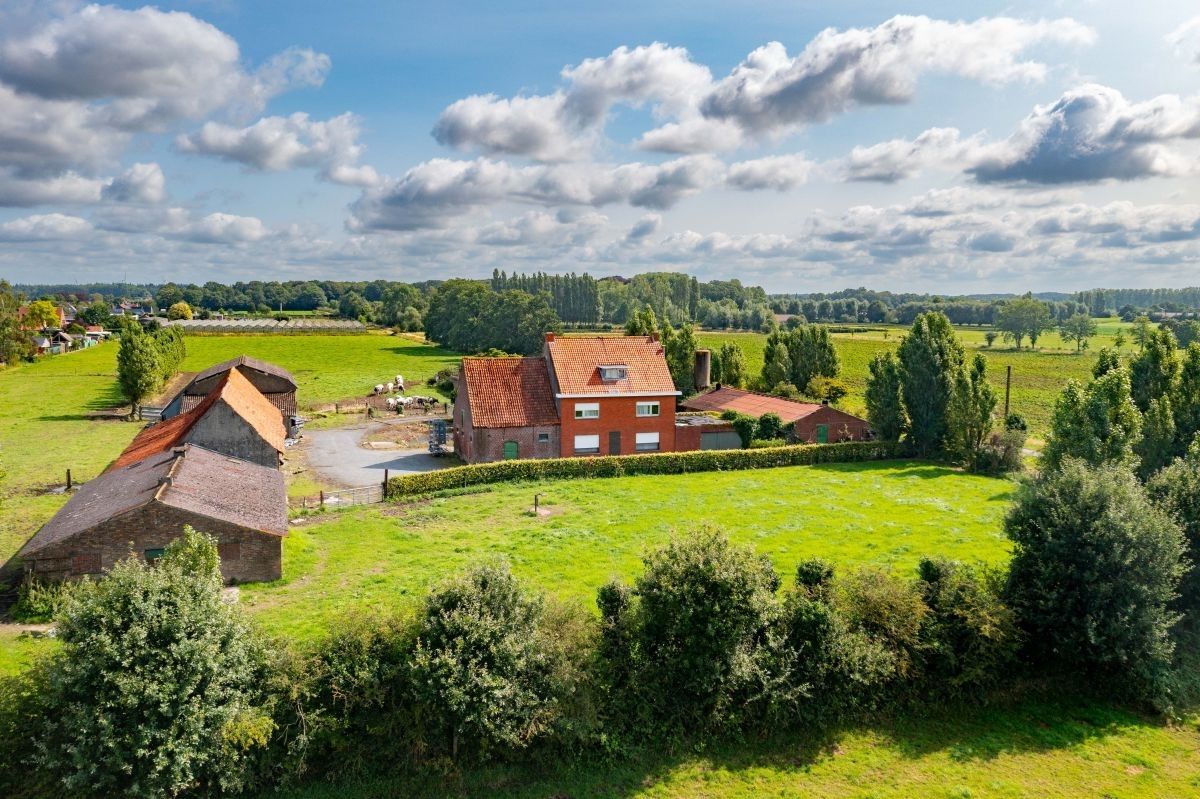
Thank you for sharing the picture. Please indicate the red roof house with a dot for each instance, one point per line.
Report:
(813, 422)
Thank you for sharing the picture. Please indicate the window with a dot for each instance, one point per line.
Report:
(543, 438)
(587, 445)
(153, 554)
(647, 409)
(587, 410)
(646, 442)
(611, 373)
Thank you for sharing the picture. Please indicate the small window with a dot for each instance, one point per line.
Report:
(646, 442)
(587, 410)
(587, 445)
(543, 438)
(612, 373)
(153, 554)
(647, 409)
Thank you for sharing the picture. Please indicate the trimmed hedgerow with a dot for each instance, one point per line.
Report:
(657, 463)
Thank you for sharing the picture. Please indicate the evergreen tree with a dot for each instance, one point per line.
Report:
(812, 354)
(930, 357)
(885, 404)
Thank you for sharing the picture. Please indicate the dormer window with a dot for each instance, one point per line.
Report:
(610, 374)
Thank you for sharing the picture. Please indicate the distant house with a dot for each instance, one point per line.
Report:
(815, 423)
(274, 382)
(141, 507)
(586, 395)
(233, 419)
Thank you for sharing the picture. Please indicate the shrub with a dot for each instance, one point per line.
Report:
(158, 688)
(24, 706)
(1095, 566)
(969, 637)
(1003, 452)
(887, 609)
(770, 426)
(657, 463)
(767, 443)
(39, 601)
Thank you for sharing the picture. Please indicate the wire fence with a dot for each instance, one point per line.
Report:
(341, 498)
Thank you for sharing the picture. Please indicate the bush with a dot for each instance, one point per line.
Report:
(1176, 489)
(1095, 566)
(770, 426)
(158, 689)
(887, 609)
(1003, 452)
(767, 443)
(39, 601)
(620, 465)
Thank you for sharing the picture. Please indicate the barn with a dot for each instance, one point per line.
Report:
(504, 408)
(139, 508)
(273, 382)
(815, 423)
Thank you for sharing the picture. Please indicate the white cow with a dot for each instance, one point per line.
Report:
(400, 382)
(379, 388)
(391, 404)
(389, 388)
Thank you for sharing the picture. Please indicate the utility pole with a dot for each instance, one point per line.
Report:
(1007, 389)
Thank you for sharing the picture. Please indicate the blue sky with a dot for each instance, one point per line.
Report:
(798, 146)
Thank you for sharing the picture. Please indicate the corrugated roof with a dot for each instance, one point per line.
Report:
(577, 360)
(509, 392)
(202, 482)
(234, 390)
(727, 398)
(246, 361)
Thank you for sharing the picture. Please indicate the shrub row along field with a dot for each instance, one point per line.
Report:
(887, 513)
(56, 411)
(1038, 375)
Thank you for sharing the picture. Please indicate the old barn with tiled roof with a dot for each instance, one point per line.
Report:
(273, 382)
(814, 422)
(505, 408)
(234, 419)
(141, 507)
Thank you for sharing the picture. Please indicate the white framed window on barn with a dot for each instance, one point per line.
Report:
(587, 410)
(587, 445)
(647, 409)
(646, 442)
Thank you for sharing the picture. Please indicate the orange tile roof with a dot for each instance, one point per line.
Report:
(237, 392)
(509, 392)
(727, 398)
(576, 361)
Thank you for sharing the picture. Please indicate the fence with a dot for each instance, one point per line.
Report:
(342, 498)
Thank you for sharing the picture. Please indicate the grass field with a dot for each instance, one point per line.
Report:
(1038, 375)
(374, 558)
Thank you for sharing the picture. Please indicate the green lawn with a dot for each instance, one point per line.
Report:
(377, 558)
(1066, 750)
(1038, 375)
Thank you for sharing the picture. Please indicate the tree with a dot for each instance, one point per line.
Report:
(642, 323)
(1119, 340)
(1154, 371)
(14, 340)
(1176, 489)
(353, 306)
(1142, 330)
(990, 338)
(1095, 567)
(41, 314)
(158, 689)
(1023, 317)
(679, 347)
(969, 413)
(885, 404)
(98, 313)
(1106, 361)
(1097, 424)
(1078, 328)
(777, 364)
(1157, 445)
(179, 310)
(733, 365)
(930, 357)
(1186, 400)
(138, 371)
(812, 354)
(171, 351)
(309, 298)
(482, 667)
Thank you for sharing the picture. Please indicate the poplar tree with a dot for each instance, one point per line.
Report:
(930, 357)
(885, 404)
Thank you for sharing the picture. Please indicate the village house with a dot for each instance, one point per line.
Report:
(233, 419)
(273, 382)
(585, 395)
(814, 422)
(139, 508)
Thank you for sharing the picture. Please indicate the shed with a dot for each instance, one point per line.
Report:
(814, 422)
(273, 382)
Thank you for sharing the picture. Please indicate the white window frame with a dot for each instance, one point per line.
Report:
(611, 373)
(591, 445)
(587, 410)
(543, 438)
(646, 442)
(652, 408)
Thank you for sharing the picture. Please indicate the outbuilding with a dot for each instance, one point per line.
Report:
(815, 423)
(273, 382)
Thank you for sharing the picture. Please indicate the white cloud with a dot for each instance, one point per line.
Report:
(898, 159)
(1186, 40)
(221, 228)
(141, 183)
(274, 144)
(1093, 133)
(694, 135)
(66, 187)
(531, 126)
(778, 172)
(645, 227)
(45, 227)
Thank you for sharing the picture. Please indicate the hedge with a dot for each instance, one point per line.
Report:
(656, 463)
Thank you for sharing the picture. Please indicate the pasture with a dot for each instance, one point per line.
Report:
(378, 558)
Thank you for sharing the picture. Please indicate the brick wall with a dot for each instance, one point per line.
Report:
(618, 413)
(687, 436)
(842, 426)
(247, 555)
(225, 431)
(488, 444)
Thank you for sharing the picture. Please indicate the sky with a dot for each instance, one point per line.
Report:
(1045, 146)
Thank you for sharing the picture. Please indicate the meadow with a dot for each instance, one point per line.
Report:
(376, 559)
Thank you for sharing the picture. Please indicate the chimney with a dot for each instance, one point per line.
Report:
(654, 336)
(702, 370)
(549, 337)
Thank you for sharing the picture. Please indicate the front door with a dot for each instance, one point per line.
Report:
(822, 434)
(510, 450)
(614, 442)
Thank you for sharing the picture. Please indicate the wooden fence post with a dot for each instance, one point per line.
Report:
(68, 479)
(322, 498)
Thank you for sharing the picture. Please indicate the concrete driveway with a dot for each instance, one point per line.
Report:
(338, 458)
